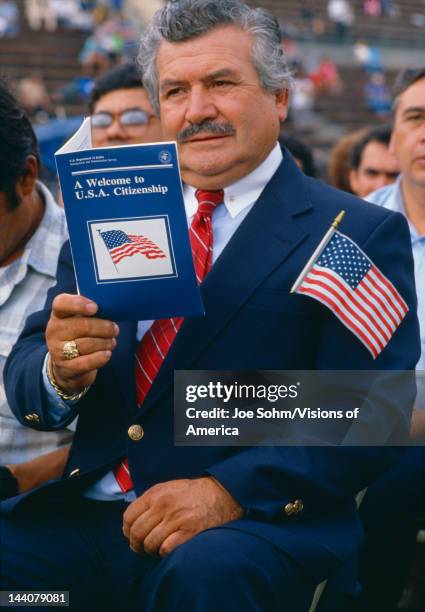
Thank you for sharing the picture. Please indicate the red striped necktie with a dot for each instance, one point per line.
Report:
(157, 341)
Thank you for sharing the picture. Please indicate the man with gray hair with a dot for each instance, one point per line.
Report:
(216, 527)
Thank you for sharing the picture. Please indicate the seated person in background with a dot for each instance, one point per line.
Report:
(340, 160)
(391, 526)
(32, 232)
(120, 109)
(377, 94)
(394, 504)
(373, 165)
(34, 98)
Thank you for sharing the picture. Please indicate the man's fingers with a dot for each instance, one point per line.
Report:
(87, 346)
(83, 327)
(66, 305)
(85, 364)
(172, 541)
(141, 527)
(152, 542)
(134, 510)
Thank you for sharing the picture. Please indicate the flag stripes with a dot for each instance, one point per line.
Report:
(345, 280)
(121, 245)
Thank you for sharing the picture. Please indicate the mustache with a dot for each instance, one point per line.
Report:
(205, 127)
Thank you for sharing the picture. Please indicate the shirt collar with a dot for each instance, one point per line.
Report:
(42, 250)
(244, 192)
(398, 206)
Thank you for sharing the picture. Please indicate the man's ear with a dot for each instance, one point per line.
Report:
(282, 103)
(391, 146)
(352, 177)
(26, 183)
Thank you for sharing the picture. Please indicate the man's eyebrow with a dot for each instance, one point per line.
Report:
(414, 109)
(217, 74)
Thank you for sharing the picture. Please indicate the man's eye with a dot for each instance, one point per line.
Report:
(222, 83)
(173, 92)
(413, 118)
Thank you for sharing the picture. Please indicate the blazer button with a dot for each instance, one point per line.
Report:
(298, 504)
(135, 432)
(74, 472)
(32, 418)
(289, 509)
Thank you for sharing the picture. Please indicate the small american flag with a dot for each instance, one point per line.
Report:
(345, 280)
(120, 245)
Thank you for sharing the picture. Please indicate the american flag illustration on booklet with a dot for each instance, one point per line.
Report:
(121, 245)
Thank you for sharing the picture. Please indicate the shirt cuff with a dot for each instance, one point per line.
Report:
(59, 409)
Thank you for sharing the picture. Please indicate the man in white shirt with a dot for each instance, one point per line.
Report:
(32, 232)
(391, 526)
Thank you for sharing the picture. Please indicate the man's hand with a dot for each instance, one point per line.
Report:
(37, 471)
(72, 319)
(171, 513)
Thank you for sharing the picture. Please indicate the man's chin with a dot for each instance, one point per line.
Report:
(208, 170)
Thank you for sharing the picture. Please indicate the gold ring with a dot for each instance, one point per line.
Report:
(70, 350)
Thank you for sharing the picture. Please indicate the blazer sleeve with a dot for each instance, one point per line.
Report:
(264, 479)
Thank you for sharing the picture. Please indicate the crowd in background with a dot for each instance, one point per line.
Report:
(112, 39)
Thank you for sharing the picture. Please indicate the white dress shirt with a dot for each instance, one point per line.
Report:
(23, 287)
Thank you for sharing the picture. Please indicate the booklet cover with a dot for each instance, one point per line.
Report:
(128, 229)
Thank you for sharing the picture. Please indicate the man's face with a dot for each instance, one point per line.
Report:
(19, 219)
(408, 137)
(378, 167)
(121, 109)
(212, 103)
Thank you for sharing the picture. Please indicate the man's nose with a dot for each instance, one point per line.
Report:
(383, 180)
(116, 131)
(388, 180)
(200, 106)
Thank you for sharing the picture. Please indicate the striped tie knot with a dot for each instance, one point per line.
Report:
(208, 200)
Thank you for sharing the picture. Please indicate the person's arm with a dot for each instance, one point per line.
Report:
(37, 471)
(418, 425)
(66, 316)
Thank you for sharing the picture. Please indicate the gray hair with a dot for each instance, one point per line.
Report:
(181, 20)
(406, 78)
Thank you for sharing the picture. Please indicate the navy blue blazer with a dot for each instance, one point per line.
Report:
(252, 322)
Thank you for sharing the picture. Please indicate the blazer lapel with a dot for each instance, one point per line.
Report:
(269, 233)
(122, 365)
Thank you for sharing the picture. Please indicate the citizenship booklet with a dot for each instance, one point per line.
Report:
(128, 230)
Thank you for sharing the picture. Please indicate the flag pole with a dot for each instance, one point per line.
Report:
(318, 251)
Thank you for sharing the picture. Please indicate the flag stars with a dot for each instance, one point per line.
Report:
(344, 258)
